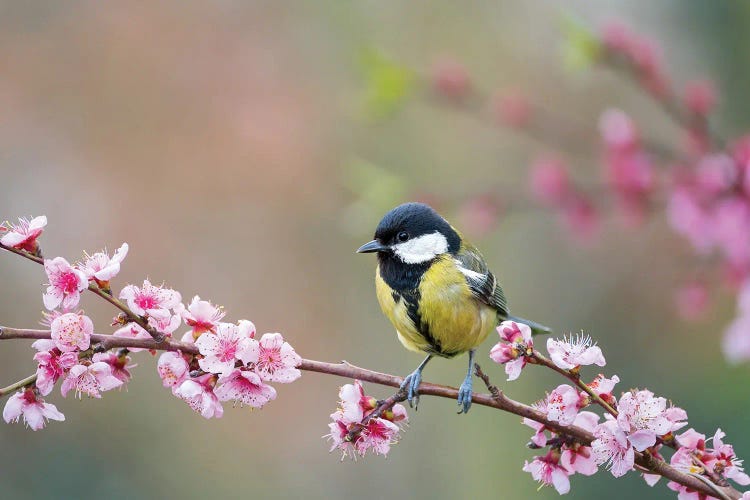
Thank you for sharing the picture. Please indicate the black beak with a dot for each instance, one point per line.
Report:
(373, 246)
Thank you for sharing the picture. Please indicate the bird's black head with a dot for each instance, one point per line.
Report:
(414, 234)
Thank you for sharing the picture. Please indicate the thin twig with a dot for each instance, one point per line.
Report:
(18, 385)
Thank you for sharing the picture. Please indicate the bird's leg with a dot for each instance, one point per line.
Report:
(412, 381)
(464, 392)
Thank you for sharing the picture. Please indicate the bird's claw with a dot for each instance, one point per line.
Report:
(464, 395)
(411, 384)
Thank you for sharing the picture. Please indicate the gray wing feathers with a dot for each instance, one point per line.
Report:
(481, 281)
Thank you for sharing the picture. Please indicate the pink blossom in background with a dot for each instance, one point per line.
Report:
(33, 409)
(199, 394)
(23, 235)
(612, 448)
(150, 299)
(101, 268)
(72, 332)
(700, 97)
(617, 36)
(202, 316)
(562, 404)
(90, 380)
(479, 215)
(244, 387)
(714, 175)
(515, 343)
(222, 349)
(642, 416)
(550, 183)
(572, 352)
(581, 218)
(274, 359)
(548, 471)
(120, 365)
(65, 284)
(511, 108)
(618, 130)
(450, 78)
(52, 365)
(692, 300)
(172, 368)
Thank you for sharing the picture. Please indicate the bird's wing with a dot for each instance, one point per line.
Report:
(480, 279)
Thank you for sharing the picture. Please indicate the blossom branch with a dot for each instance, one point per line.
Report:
(496, 399)
(94, 288)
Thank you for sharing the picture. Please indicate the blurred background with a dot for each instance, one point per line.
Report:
(238, 148)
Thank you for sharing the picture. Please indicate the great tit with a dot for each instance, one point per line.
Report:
(436, 289)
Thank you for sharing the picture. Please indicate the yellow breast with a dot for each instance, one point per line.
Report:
(451, 320)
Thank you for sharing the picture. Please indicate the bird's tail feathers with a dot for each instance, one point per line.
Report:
(536, 328)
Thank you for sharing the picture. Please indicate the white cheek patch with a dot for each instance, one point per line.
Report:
(421, 249)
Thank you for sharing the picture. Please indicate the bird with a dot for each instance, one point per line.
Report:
(437, 291)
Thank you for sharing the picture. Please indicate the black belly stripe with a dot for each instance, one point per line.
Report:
(412, 310)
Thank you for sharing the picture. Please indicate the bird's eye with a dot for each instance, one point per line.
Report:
(402, 236)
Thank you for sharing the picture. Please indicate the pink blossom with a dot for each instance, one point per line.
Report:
(581, 218)
(736, 341)
(90, 380)
(540, 437)
(164, 322)
(715, 174)
(562, 404)
(198, 393)
(202, 316)
(274, 359)
(611, 447)
(338, 436)
(700, 97)
(172, 368)
(65, 284)
(642, 417)
(24, 234)
(353, 404)
(617, 36)
(548, 471)
(378, 435)
(101, 268)
(550, 184)
(511, 108)
(450, 78)
(518, 344)
(132, 331)
(573, 352)
(34, 410)
(618, 130)
(603, 387)
(244, 387)
(149, 299)
(120, 365)
(52, 365)
(723, 458)
(221, 350)
(692, 300)
(72, 332)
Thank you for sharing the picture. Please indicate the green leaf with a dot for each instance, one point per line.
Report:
(387, 84)
(581, 48)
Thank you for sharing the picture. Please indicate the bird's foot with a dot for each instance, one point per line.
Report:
(411, 385)
(464, 395)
